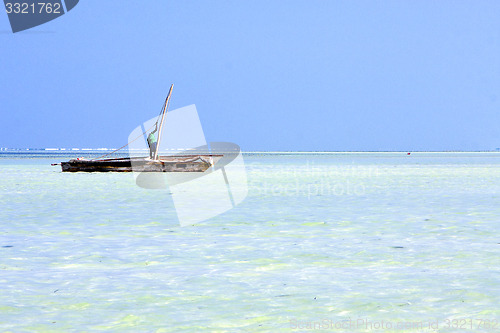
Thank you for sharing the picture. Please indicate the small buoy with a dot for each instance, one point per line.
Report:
(408, 153)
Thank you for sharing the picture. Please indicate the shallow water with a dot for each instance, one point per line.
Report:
(322, 239)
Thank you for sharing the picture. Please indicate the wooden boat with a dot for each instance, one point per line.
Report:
(157, 163)
(182, 163)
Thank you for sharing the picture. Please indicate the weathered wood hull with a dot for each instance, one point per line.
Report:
(184, 163)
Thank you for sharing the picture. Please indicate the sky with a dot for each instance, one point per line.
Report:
(309, 75)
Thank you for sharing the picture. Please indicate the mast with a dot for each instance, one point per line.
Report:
(160, 129)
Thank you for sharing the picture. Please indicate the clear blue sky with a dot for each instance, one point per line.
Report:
(267, 75)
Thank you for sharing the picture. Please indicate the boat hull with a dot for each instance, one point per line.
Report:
(185, 163)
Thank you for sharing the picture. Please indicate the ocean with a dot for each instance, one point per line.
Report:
(338, 242)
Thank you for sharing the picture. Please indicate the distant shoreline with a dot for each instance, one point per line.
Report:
(103, 150)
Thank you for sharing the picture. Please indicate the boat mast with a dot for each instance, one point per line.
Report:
(160, 129)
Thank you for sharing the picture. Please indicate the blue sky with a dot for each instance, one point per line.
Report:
(268, 75)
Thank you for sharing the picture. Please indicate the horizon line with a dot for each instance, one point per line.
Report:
(7, 149)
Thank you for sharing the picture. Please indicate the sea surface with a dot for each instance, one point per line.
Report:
(338, 242)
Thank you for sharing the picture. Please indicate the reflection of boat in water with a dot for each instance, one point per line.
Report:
(153, 163)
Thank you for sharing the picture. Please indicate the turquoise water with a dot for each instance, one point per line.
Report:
(359, 239)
